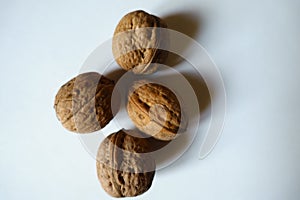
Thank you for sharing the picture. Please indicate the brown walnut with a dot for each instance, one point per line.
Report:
(124, 167)
(155, 110)
(83, 104)
(138, 42)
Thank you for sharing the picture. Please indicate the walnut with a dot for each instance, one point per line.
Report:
(155, 110)
(138, 42)
(83, 104)
(124, 167)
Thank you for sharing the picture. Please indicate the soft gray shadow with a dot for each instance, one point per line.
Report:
(184, 22)
(187, 23)
(201, 91)
(115, 74)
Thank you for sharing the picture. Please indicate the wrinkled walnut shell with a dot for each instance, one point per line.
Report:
(155, 110)
(83, 104)
(124, 168)
(138, 42)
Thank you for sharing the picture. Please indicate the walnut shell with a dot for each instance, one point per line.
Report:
(138, 42)
(124, 168)
(155, 110)
(83, 104)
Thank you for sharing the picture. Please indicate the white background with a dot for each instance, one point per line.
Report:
(256, 46)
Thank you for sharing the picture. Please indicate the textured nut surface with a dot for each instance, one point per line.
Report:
(154, 109)
(83, 104)
(138, 40)
(123, 166)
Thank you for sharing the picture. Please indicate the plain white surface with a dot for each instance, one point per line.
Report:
(256, 47)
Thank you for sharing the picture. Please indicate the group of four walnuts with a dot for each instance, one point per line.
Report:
(125, 166)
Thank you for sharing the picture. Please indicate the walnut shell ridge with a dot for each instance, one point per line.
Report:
(83, 104)
(155, 110)
(124, 167)
(138, 42)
